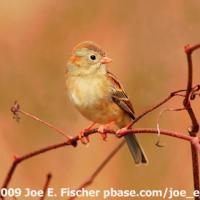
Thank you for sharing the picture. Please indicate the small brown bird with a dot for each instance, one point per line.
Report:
(97, 93)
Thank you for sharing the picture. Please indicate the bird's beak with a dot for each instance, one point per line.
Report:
(105, 60)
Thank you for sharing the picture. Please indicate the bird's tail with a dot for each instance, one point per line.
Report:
(135, 149)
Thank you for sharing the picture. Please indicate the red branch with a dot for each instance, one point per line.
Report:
(46, 185)
(193, 140)
(195, 126)
(165, 100)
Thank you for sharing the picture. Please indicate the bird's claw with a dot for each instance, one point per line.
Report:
(102, 131)
(121, 131)
(85, 138)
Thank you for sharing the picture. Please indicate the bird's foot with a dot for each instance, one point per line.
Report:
(121, 131)
(102, 130)
(85, 138)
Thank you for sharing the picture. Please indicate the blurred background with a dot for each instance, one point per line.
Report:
(146, 42)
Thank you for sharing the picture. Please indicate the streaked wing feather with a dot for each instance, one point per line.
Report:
(120, 97)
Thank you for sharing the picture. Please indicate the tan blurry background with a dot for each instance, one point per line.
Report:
(145, 40)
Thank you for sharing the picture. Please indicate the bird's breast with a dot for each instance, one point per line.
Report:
(92, 97)
(87, 92)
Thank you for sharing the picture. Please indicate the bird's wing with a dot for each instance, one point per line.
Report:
(119, 96)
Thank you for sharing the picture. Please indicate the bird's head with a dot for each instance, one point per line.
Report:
(87, 58)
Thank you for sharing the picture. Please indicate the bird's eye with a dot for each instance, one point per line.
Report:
(93, 57)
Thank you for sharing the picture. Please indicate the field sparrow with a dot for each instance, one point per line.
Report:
(97, 93)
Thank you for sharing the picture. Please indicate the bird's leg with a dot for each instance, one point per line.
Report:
(102, 130)
(125, 128)
(82, 134)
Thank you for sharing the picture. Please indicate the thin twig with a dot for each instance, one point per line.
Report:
(158, 124)
(90, 180)
(46, 185)
(165, 100)
(161, 113)
(15, 109)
